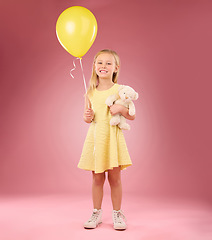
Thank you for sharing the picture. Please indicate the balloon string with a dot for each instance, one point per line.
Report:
(84, 79)
(82, 74)
(73, 67)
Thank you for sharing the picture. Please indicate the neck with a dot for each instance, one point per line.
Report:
(106, 82)
(104, 85)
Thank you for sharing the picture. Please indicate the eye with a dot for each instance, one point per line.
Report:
(124, 92)
(108, 63)
(99, 62)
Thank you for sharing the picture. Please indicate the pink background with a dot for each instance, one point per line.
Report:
(165, 50)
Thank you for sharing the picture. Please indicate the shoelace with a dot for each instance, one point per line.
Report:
(120, 216)
(94, 217)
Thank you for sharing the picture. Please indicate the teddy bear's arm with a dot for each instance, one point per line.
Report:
(111, 99)
(131, 108)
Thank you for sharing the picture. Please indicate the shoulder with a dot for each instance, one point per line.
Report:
(118, 86)
(121, 86)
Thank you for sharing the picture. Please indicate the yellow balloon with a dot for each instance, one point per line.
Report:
(76, 30)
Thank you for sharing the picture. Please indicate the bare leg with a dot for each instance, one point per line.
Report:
(114, 178)
(97, 189)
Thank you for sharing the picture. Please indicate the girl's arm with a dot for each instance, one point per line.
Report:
(116, 108)
(88, 112)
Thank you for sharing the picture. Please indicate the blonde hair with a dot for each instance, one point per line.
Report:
(94, 80)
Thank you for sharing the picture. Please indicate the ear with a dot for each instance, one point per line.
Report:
(116, 69)
(121, 87)
(136, 96)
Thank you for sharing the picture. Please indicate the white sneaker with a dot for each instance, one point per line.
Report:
(95, 219)
(119, 220)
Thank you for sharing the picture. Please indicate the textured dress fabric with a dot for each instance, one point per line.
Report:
(104, 147)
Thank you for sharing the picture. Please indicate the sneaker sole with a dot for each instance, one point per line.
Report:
(93, 227)
(119, 229)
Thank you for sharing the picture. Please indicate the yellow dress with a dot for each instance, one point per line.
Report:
(104, 147)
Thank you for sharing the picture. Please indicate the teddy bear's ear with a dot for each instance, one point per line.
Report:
(136, 96)
(121, 87)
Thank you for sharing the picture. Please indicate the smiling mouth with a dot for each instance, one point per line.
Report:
(103, 71)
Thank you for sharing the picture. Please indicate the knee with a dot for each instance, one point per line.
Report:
(98, 179)
(114, 181)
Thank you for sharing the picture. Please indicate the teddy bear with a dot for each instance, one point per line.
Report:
(125, 97)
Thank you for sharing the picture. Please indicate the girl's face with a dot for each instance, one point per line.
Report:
(105, 66)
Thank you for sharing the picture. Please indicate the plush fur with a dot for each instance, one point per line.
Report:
(125, 98)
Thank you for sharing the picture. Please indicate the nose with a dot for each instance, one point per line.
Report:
(126, 97)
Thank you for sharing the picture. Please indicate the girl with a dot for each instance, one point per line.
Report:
(105, 148)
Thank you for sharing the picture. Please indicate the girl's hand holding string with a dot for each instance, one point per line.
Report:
(88, 115)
